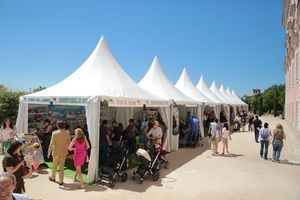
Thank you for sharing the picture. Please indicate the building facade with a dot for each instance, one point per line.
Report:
(291, 21)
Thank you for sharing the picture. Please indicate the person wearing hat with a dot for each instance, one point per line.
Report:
(155, 134)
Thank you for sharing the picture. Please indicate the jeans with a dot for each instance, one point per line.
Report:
(131, 144)
(249, 127)
(103, 155)
(256, 134)
(187, 138)
(277, 147)
(264, 145)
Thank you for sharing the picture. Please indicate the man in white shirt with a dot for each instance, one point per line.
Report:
(7, 185)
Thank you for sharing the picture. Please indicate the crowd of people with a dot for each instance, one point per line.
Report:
(190, 132)
(136, 134)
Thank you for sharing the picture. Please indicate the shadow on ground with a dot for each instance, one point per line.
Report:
(177, 159)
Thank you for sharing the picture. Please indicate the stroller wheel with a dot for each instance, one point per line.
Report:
(111, 184)
(141, 180)
(155, 176)
(124, 177)
(167, 165)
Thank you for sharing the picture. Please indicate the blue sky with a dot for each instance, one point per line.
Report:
(236, 42)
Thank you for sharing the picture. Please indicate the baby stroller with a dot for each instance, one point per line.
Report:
(158, 152)
(115, 165)
(147, 166)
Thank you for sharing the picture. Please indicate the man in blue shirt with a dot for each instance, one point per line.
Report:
(195, 131)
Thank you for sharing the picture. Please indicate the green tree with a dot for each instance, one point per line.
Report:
(9, 101)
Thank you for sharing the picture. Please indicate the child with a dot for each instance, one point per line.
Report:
(225, 136)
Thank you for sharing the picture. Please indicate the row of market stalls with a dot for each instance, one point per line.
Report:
(104, 90)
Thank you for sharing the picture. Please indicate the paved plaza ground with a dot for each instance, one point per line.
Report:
(195, 174)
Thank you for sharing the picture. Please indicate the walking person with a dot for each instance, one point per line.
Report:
(250, 122)
(264, 136)
(7, 134)
(58, 148)
(225, 137)
(257, 125)
(277, 141)
(212, 134)
(79, 145)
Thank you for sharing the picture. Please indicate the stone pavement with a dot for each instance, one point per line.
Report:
(195, 174)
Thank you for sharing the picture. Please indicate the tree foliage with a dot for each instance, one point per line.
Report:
(9, 101)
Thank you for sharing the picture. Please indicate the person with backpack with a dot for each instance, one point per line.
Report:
(277, 141)
(264, 136)
(257, 125)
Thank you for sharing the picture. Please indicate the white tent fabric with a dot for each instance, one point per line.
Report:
(22, 120)
(214, 88)
(202, 87)
(99, 78)
(99, 75)
(242, 102)
(186, 86)
(156, 82)
(93, 124)
(232, 97)
(228, 98)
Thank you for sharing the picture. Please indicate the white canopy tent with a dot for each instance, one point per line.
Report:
(228, 98)
(156, 82)
(186, 86)
(239, 100)
(202, 87)
(214, 88)
(99, 79)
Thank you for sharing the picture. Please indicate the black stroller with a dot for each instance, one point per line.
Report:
(115, 165)
(147, 166)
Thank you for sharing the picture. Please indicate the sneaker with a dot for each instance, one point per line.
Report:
(61, 184)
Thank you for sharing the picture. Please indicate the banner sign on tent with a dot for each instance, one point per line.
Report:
(122, 102)
(80, 101)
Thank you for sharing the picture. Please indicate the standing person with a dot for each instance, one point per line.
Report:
(250, 122)
(277, 138)
(79, 145)
(225, 136)
(116, 135)
(257, 125)
(8, 183)
(195, 132)
(212, 134)
(46, 136)
(58, 148)
(155, 134)
(7, 134)
(104, 142)
(264, 136)
(130, 133)
(13, 163)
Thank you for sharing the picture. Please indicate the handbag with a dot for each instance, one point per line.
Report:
(25, 170)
